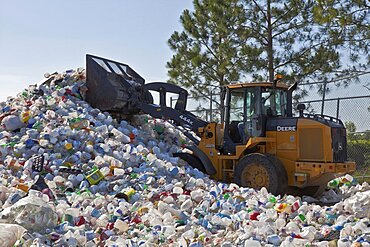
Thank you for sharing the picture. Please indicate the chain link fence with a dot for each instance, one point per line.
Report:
(349, 103)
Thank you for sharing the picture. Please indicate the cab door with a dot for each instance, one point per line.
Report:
(242, 114)
(253, 122)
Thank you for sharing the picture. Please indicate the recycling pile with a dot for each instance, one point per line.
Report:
(72, 175)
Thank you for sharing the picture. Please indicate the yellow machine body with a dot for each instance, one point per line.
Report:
(305, 149)
(305, 153)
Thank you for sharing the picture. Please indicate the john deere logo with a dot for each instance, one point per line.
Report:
(285, 128)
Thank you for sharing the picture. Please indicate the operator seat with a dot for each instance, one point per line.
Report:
(244, 136)
(234, 132)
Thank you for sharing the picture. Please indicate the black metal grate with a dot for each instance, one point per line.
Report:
(339, 144)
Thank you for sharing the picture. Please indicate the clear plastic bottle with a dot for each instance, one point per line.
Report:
(252, 243)
(13, 198)
(121, 226)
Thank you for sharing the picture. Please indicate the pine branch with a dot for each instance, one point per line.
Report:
(209, 74)
(337, 79)
(259, 7)
(312, 46)
(281, 16)
(300, 55)
(205, 95)
(359, 10)
(288, 29)
(258, 24)
(209, 49)
(261, 38)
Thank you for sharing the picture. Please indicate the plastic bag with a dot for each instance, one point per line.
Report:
(10, 233)
(12, 122)
(31, 212)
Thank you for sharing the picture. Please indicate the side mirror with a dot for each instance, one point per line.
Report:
(301, 108)
(222, 101)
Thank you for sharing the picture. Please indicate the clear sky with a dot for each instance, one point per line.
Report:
(42, 36)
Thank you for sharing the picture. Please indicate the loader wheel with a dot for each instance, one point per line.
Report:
(282, 174)
(257, 171)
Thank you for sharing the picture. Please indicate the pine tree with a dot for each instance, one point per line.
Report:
(348, 20)
(225, 41)
(289, 41)
(210, 52)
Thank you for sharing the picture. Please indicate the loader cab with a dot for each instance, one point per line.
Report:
(248, 106)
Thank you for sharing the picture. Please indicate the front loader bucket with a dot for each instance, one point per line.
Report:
(113, 86)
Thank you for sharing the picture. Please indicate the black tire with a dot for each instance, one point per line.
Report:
(282, 174)
(257, 170)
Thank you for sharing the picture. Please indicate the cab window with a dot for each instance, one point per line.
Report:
(236, 106)
(271, 99)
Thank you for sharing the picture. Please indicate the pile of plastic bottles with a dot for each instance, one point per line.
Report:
(72, 175)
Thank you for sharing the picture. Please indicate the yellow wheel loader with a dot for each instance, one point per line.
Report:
(258, 143)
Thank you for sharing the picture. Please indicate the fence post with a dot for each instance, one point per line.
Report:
(323, 99)
(210, 106)
(338, 100)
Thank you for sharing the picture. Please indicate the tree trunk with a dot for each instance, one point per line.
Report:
(270, 50)
(270, 54)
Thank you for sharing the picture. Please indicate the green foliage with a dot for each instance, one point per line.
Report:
(348, 21)
(359, 151)
(351, 129)
(210, 51)
(289, 41)
(226, 41)
(358, 147)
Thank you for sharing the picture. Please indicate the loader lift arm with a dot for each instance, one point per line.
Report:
(178, 114)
